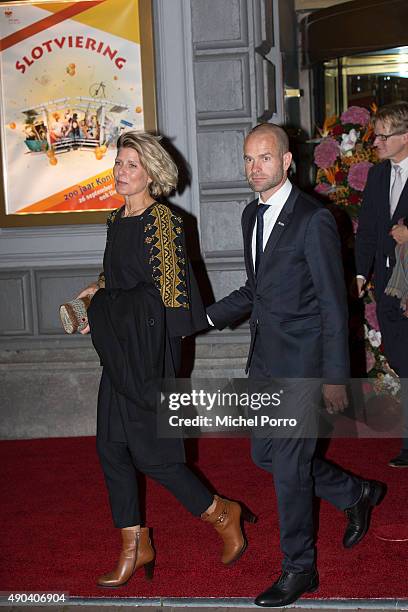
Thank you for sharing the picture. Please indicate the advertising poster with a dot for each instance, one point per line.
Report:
(71, 83)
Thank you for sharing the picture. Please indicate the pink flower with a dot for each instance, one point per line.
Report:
(370, 360)
(322, 188)
(357, 176)
(356, 115)
(371, 316)
(326, 152)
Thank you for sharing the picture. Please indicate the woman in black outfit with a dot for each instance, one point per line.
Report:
(145, 244)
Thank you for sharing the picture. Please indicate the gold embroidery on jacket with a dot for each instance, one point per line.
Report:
(164, 232)
(111, 217)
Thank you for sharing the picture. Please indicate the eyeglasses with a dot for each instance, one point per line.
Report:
(385, 137)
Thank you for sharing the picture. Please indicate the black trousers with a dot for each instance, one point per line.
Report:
(119, 468)
(394, 333)
(126, 446)
(298, 475)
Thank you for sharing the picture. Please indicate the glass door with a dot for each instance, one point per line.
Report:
(360, 80)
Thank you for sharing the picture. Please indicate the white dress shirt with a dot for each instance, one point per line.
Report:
(404, 172)
(276, 202)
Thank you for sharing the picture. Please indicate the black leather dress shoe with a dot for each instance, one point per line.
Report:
(288, 588)
(401, 461)
(359, 515)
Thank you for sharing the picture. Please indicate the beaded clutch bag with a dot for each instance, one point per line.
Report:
(73, 314)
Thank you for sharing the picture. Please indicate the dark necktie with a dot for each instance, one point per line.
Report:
(260, 211)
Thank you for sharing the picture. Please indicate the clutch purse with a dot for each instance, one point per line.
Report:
(73, 314)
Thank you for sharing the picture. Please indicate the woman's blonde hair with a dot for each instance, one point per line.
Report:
(155, 160)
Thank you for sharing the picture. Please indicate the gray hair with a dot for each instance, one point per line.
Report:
(396, 114)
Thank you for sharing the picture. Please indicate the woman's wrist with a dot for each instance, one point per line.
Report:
(100, 283)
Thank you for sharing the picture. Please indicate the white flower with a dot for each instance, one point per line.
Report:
(374, 338)
(348, 142)
(391, 384)
(365, 331)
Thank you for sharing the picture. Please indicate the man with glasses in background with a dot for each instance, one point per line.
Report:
(382, 227)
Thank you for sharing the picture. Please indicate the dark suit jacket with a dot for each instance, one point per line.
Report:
(298, 300)
(373, 242)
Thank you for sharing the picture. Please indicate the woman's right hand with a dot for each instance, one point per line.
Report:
(90, 290)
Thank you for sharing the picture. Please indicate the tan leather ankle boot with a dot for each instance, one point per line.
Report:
(137, 551)
(226, 519)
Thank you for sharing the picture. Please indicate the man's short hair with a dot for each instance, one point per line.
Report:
(396, 114)
(279, 133)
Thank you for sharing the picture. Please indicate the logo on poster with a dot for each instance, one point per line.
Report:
(11, 19)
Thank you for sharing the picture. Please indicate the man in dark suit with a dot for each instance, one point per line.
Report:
(296, 300)
(381, 228)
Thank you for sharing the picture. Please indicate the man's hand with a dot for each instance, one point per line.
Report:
(358, 287)
(335, 398)
(90, 290)
(399, 233)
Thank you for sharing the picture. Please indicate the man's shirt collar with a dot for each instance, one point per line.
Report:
(279, 197)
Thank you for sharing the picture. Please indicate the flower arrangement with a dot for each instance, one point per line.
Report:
(343, 156)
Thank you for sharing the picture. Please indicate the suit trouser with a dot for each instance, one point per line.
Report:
(298, 476)
(394, 331)
(121, 480)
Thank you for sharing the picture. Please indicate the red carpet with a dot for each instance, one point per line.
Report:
(57, 536)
